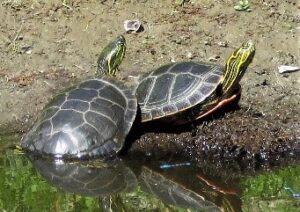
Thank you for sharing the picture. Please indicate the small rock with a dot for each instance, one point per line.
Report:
(152, 51)
(283, 69)
(223, 44)
(265, 82)
(26, 49)
(260, 72)
(214, 58)
(20, 37)
(190, 55)
(207, 43)
(132, 26)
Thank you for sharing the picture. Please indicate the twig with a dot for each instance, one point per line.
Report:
(16, 37)
(67, 6)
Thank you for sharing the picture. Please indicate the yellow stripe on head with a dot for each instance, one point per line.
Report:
(111, 57)
(237, 64)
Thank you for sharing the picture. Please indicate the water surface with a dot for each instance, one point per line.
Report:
(29, 183)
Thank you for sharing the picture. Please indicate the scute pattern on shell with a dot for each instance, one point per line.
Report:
(89, 120)
(176, 87)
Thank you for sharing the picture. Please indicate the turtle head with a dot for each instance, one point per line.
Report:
(111, 57)
(237, 64)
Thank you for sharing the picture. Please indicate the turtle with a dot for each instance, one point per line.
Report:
(90, 119)
(183, 92)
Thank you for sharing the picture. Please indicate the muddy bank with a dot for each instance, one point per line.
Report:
(240, 134)
(46, 47)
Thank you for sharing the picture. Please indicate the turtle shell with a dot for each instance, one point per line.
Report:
(176, 87)
(89, 120)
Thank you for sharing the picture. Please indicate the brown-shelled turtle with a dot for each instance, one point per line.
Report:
(89, 120)
(186, 91)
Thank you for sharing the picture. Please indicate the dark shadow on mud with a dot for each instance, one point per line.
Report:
(230, 134)
(138, 128)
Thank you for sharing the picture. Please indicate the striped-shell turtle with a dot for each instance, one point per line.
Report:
(89, 120)
(186, 91)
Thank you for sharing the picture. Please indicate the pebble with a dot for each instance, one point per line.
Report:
(132, 26)
(223, 44)
(214, 58)
(284, 68)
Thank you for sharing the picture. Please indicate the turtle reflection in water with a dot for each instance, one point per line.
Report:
(92, 178)
(89, 120)
(184, 190)
(108, 179)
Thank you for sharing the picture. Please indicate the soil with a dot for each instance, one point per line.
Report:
(47, 46)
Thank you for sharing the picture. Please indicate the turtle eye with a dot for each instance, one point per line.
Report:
(121, 40)
(248, 45)
(121, 43)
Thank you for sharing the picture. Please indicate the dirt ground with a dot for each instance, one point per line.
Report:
(46, 47)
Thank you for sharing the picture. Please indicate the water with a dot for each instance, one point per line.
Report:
(32, 184)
